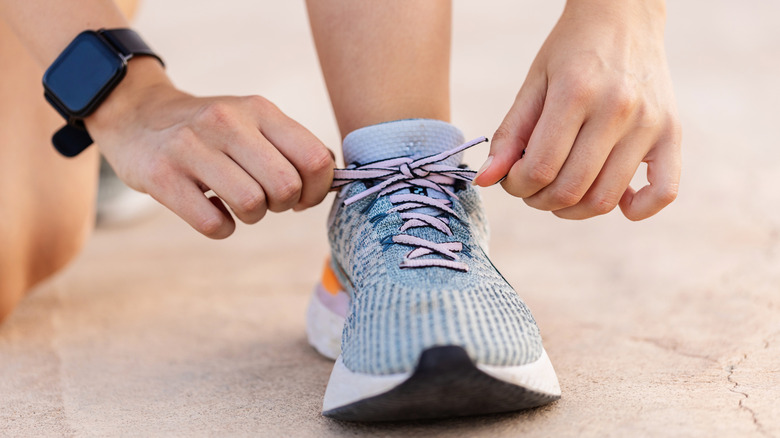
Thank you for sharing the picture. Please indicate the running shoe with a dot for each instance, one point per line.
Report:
(419, 321)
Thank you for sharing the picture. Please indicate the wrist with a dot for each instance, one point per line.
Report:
(145, 75)
(650, 13)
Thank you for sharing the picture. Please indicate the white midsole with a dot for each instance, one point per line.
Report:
(323, 325)
(346, 386)
(538, 376)
(324, 328)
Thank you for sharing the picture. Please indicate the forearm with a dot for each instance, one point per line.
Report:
(651, 13)
(46, 27)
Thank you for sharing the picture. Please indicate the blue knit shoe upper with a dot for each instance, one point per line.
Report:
(409, 240)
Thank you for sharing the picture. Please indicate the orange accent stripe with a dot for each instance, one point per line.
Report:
(329, 280)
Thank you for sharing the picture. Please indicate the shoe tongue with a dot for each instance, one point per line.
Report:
(414, 138)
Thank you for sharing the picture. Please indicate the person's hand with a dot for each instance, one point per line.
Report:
(597, 102)
(177, 147)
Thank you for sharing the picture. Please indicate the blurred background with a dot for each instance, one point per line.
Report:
(667, 327)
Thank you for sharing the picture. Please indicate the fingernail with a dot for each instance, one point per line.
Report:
(482, 169)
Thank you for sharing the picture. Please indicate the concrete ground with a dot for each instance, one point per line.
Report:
(668, 327)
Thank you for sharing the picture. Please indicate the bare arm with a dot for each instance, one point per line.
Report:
(47, 26)
(175, 146)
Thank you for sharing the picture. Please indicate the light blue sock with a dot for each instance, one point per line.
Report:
(413, 138)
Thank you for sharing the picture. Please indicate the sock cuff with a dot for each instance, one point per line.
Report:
(411, 137)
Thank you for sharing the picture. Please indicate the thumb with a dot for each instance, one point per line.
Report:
(511, 137)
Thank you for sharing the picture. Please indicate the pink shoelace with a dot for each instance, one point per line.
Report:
(419, 176)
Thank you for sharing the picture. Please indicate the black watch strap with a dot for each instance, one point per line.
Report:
(128, 43)
(71, 139)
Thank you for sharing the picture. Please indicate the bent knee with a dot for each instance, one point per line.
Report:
(56, 246)
(33, 257)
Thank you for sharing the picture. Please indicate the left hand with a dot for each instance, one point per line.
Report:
(597, 103)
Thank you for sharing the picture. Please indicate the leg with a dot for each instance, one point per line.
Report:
(418, 319)
(384, 63)
(47, 201)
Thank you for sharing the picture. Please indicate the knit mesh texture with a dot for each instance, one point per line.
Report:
(397, 313)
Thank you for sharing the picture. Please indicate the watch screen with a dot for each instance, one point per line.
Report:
(82, 71)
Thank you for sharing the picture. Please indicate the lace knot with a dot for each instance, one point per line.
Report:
(416, 207)
(412, 172)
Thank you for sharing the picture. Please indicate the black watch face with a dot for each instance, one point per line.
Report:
(83, 73)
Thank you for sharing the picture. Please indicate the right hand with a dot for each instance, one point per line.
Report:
(597, 102)
(176, 147)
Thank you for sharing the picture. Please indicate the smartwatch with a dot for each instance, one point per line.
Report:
(82, 77)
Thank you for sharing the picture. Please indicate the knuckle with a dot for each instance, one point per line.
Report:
(216, 113)
(542, 174)
(566, 196)
(288, 192)
(319, 160)
(648, 119)
(259, 102)
(252, 202)
(261, 105)
(604, 203)
(652, 119)
(623, 101)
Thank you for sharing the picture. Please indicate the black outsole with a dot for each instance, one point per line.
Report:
(446, 383)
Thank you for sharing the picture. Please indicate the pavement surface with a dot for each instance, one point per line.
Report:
(667, 327)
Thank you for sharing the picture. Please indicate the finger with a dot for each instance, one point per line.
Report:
(278, 178)
(230, 182)
(587, 157)
(663, 176)
(183, 197)
(216, 202)
(511, 137)
(311, 159)
(611, 183)
(549, 145)
(234, 132)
